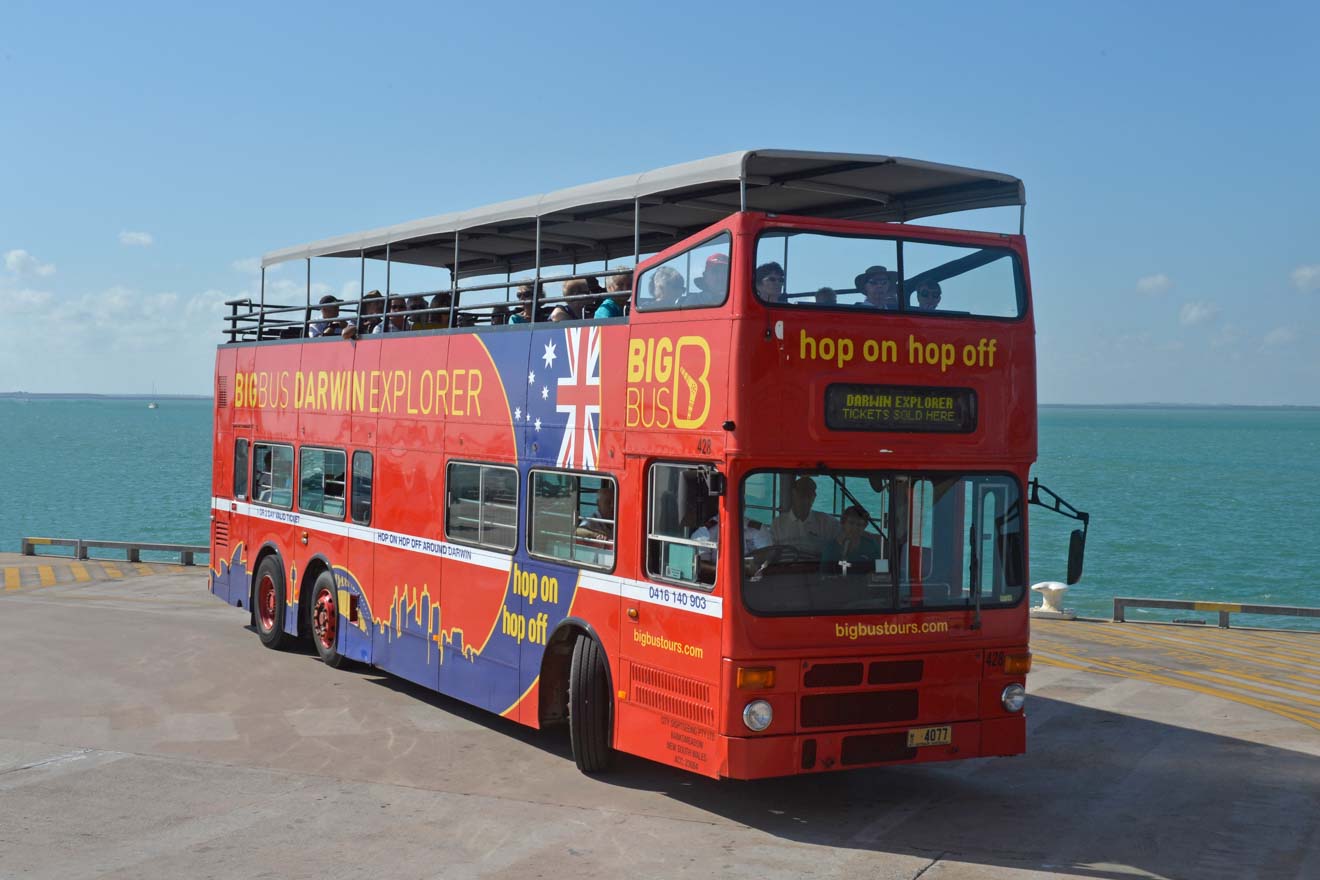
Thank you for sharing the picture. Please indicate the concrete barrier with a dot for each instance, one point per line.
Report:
(132, 549)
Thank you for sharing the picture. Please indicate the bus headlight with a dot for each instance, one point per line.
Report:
(1013, 697)
(757, 715)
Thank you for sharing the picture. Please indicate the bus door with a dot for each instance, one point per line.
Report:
(670, 650)
(358, 563)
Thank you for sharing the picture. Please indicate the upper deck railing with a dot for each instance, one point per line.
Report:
(614, 220)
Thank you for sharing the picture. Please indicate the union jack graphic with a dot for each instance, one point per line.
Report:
(578, 395)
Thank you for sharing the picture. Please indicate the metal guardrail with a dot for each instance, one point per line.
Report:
(1121, 604)
(132, 549)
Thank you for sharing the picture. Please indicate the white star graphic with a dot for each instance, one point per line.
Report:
(545, 393)
(549, 356)
(531, 377)
(529, 417)
(517, 413)
(538, 424)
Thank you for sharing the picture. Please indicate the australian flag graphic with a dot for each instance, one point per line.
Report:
(563, 397)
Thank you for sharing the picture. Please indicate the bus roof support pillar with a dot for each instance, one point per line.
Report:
(1022, 219)
(536, 282)
(261, 315)
(453, 285)
(637, 232)
(307, 312)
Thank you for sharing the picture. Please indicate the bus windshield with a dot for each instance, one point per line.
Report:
(824, 270)
(879, 541)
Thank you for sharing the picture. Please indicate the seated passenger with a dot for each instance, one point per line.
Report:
(667, 288)
(398, 321)
(928, 296)
(877, 285)
(601, 526)
(853, 548)
(800, 529)
(713, 281)
(417, 309)
(437, 317)
(569, 311)
(769, 279)
(827, 297)
(524, 314)
(755, 536)
(618, 288)
(329, 325)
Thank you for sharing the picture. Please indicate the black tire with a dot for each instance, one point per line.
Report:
(590, 727)
(323, 620)
(268, 603)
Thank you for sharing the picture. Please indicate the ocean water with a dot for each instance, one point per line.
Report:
(1206, 504)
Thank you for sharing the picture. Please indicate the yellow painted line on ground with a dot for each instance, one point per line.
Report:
(1152, 640)
(111, 570)
(79, 572)
(1156, 675)
(11, 579)
(46, 574)
(1265, 705)
(143, 568)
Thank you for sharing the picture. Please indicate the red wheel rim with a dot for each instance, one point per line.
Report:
(266, 603)
(325, 619)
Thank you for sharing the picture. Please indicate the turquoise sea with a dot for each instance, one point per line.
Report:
(1208, 504)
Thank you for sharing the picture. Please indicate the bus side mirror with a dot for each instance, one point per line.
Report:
(1076, 550)
(714, 481)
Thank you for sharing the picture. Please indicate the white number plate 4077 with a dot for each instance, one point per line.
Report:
(930, 736)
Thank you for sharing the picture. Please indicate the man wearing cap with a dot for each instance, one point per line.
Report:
(877, 285)
(329, 325)
(713, 282)
(807, 531)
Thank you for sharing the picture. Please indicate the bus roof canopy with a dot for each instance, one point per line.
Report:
(596, 221)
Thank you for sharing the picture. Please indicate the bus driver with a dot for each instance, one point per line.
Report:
(805, 530)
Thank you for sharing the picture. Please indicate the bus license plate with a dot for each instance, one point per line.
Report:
(930, 736)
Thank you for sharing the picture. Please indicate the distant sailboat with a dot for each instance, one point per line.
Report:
(153, 404)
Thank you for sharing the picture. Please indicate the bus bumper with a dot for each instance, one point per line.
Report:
(768, 756)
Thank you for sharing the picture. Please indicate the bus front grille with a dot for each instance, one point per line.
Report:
(857, 708)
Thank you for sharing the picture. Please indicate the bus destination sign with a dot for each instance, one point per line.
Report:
(851, 407)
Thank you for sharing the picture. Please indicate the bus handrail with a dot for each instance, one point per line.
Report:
(132, 549)
(1122, 603)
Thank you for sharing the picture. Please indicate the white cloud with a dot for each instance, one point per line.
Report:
(1154, 285)
(1278, 337)
(135, 239)
(247, 265)
(1197, 312)
(1227, 336)
(20, 262)
(1306, 277)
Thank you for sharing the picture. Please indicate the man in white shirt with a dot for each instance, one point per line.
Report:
(805, 530)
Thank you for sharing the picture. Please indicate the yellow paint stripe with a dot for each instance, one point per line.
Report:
(79, 572)
(143, 568)
(11, 579)
(46, 574)
(1155, 679)
(1152, 640)
(111, 570)
(1217, 606)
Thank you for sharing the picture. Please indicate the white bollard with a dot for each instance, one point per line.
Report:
(1051, 597)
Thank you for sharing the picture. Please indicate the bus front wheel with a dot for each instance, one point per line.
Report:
(268, 603)
(589, 707)
(325, 620)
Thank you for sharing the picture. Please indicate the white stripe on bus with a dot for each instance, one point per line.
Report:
(598, 582)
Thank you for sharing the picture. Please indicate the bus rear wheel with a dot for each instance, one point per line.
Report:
(268, 603)
(325, 620)
(589, 722)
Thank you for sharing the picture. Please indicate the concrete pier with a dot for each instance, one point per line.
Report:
(144, 732)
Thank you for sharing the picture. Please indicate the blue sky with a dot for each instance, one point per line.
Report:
(149, 153)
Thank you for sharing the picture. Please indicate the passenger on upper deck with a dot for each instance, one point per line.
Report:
(713, 281)
(416, 305)
(372, 304)
(437, 318)
(619, 287)
(329, 325)
(667, 287)
(804, 530)
(769, 279)
(398, 321)
(877, 285)
(928, 296)
(524, 315)
(827, 297)
(570, 310)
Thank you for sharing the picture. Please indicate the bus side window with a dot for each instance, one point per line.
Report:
(481, 505)
(321, 476)
(360, 502)
(272, 474)
(572, 518)
(681, 528)
(240, 470)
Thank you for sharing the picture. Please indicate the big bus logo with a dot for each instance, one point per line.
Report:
(668, 382)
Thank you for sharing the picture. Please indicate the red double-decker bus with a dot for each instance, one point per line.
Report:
(756, 506)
